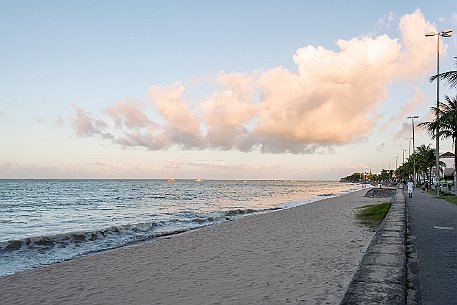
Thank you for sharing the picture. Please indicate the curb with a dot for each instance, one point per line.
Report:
(381, 276)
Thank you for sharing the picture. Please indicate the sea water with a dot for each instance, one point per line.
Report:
(48, 221)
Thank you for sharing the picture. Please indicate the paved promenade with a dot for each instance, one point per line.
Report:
(433, 226)
(381, 276)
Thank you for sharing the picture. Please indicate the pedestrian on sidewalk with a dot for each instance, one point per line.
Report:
(410, 186)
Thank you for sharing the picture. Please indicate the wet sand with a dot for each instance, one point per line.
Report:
(302, 255)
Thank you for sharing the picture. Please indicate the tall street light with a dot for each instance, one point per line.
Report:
(409, 148)
(414, 148)
(403, 152)
(443, 33)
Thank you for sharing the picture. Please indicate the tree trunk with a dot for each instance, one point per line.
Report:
(430, 176)
(455, 163)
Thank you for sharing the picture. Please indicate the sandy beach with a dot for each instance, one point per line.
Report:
(302, 255)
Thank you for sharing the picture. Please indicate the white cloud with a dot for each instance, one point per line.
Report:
(128, 113)
(226, 112)
(419, 53)
(330, 99)
(85, 125)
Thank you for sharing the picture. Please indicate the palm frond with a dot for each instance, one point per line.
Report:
(450, 77)
(446, 121)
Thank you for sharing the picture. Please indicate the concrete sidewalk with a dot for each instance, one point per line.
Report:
(381, 276)
(433, 231)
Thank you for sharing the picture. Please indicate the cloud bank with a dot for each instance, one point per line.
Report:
(329, 99)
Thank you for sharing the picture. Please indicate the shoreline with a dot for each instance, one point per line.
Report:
(309, 253)
(103, 235)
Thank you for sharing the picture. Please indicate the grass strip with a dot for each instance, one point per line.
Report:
(446, 196)
(449, 197)
(372, 215)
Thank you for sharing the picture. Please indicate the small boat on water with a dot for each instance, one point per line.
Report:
(171, 180)
(198, 180)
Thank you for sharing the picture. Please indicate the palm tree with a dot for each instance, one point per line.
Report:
(450, 77)
(447, 122)
(405, 170)
(425, 159)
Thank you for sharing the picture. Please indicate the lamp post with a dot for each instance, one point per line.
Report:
(403, 152)
(443, 33)
(414, 148)
(409, 148)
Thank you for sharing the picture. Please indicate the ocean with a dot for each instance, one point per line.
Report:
(48, 221)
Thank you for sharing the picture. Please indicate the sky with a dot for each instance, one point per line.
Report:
(217, 89)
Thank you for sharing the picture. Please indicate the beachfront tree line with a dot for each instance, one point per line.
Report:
(424, 159)
(384, 175)
(447, 119)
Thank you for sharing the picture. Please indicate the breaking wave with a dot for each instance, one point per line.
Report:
(49, 221)
(44, 250)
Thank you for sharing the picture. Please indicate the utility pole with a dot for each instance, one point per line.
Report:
(443, 33)
(414, 147)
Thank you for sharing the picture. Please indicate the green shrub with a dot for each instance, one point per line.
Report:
(373, 215)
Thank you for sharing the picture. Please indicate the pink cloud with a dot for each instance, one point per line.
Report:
(148, 140)
(85, 126)
(419, 52)
(226, 112)
(128, 113)
(322, 104)
(168, 101)
(330, 99)
(182, 122)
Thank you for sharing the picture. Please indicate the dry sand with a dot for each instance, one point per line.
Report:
(303, 255)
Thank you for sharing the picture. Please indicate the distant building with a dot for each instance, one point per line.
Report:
(448, 159)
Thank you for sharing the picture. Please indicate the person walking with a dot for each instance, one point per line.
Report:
(410, 186)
